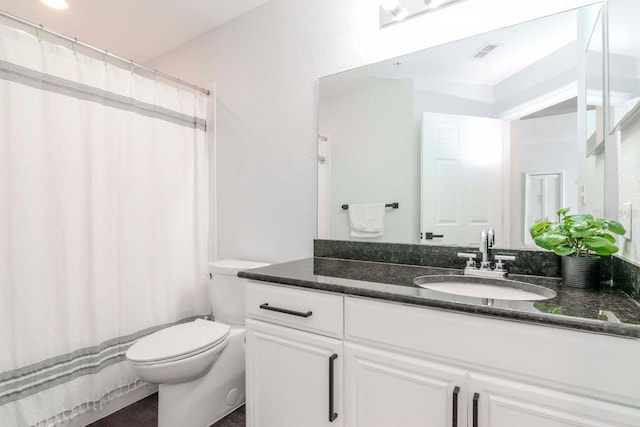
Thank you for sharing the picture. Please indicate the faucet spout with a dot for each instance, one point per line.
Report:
(487, 240)
(484, 246)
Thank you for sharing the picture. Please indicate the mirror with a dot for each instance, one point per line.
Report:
(624, 61)
(594, 84)
(462, 137)
(624, 96)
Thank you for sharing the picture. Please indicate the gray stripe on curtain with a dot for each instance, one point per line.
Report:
(20, 383)
(38, 80)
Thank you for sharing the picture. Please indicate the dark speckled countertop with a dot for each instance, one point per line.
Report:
(607, 310)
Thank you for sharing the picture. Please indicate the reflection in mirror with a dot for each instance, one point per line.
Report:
(463, 136)
(543, 197)
(594, 79)
(624, 60)
(624, 81)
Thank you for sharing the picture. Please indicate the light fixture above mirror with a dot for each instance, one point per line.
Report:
(394, 11)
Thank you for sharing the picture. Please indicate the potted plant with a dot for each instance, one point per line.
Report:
(580, 240)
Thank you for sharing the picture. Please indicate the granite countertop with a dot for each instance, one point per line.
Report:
(607, 310)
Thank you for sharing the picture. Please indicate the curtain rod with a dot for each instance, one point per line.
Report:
(131, 63)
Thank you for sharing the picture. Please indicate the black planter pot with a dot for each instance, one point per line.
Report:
(581, 272)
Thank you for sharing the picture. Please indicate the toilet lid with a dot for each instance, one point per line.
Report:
(179, 340)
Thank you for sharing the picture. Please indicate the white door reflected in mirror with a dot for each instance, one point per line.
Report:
(461, 178)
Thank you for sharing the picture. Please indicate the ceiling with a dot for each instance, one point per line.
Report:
(519, 46)
(135, 29)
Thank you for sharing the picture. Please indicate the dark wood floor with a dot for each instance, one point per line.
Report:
(144, 413)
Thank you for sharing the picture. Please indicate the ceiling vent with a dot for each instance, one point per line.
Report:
(484, 51)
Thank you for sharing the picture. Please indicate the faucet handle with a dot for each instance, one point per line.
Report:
(501, 258)
(471, 257)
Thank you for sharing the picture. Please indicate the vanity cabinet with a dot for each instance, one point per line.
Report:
(391, 364)
(388, 389)
(509, 374)
(294, 378)
(294, 358)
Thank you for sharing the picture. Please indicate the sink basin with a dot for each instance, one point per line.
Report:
(486, 288)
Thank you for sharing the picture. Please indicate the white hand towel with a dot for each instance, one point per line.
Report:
(366, 220)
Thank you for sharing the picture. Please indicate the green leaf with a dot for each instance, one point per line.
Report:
(600, 245)
(579, 234)
(550, 240)
(582, 233)
(546, 307)
(564, 250)
(599, 223)
(606, 251)
(616, 227)
(539, 228)
(581, 218)
(596, 242)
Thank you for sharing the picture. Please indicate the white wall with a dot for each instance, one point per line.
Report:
(440, 103)
(265, 65)
(373, 157)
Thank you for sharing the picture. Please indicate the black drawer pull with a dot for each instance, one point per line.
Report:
(454, 417)
(332, 414)
(266, 306)
(476, 397)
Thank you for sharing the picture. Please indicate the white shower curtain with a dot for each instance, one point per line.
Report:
(103, 224)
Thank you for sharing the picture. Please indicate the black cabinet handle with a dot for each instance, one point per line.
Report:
(454, 416)
(476, 397)
(332, 414)
(266, 306)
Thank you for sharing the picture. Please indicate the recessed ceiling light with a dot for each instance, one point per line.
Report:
(56, 4)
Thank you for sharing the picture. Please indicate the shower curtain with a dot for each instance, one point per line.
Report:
(103, 224)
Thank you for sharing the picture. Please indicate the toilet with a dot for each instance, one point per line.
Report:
(199, 365)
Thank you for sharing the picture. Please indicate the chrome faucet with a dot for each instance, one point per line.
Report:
(487, 240)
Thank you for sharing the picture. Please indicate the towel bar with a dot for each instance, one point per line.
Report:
(394, 205)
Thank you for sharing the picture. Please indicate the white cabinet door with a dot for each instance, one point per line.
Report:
(504, 403)
(294, 378)
(388, 389)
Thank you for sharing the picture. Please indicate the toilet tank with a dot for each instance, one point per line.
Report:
(226, 289)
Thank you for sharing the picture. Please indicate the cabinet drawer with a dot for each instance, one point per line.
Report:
(316, 312)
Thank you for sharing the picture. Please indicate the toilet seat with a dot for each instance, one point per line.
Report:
(178, 342)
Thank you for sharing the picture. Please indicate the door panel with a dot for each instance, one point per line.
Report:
(288, 379)
(386, 389)
(504, 403)
(461, 177)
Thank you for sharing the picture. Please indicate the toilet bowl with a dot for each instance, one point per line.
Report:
(199, 365)
(179, 353)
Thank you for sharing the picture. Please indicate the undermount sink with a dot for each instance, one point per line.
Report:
(485, 288)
